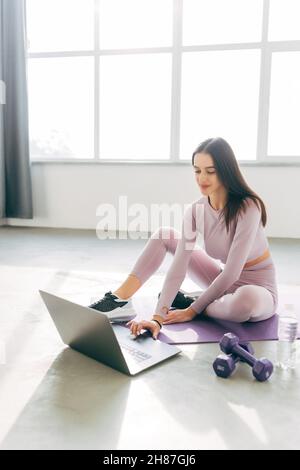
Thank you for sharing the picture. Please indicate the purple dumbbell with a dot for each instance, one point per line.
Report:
(261, 368)
(225, 365)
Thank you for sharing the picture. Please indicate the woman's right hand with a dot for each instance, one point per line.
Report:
(151, 325)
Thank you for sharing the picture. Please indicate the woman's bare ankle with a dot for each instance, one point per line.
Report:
(128, 288)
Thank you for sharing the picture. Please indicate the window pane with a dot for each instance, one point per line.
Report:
(220, 21)
(57, 25)
(135, 23)
(61, 107)
(135, 106)
(284, 105)
(284, 20)
(220, 92)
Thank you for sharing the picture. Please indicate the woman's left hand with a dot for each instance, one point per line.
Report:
(179, 315)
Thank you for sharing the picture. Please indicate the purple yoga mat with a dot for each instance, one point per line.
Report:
(208, 330)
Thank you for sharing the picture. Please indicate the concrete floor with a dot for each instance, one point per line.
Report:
(52, 397)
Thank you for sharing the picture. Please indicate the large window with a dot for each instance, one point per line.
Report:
(148, 80)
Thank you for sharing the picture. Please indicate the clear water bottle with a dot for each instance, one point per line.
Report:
(287, 338)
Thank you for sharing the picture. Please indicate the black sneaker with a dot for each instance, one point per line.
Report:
(115, 308)
(181, 300)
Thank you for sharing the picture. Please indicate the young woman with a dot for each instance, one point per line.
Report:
(231, 219)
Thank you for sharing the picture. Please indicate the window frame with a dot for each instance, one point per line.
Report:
(266, 47)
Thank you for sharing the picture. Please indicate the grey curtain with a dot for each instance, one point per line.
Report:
(15, 175)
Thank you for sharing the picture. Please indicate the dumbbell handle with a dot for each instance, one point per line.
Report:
(247, 347)
(242, 353)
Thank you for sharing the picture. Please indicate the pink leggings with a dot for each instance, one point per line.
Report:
(243, 303)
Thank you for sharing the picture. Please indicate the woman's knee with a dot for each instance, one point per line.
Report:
(247, 302)
(168, 235)
(165, 232)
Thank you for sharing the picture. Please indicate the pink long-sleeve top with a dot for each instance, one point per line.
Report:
(245, 241)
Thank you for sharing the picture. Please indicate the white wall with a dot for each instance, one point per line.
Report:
(67, 195)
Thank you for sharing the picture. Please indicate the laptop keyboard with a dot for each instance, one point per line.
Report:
(136, 354)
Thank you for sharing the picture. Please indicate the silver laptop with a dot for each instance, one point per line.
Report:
(90, 332)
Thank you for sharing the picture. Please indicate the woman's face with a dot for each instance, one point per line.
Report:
(205, 173)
